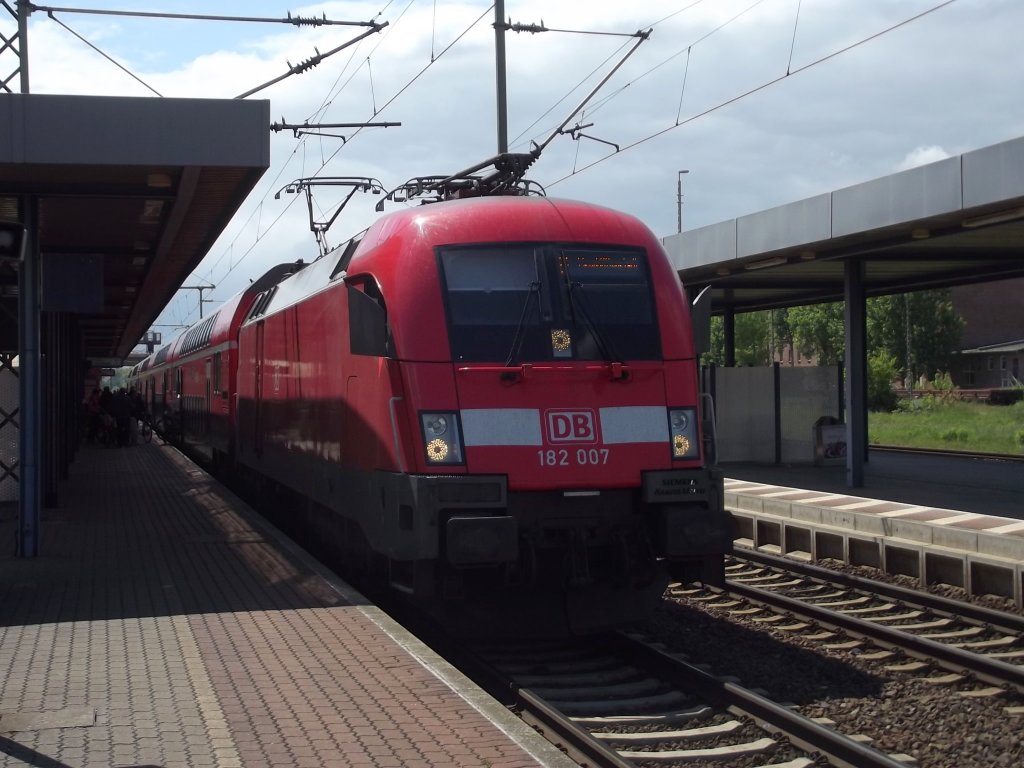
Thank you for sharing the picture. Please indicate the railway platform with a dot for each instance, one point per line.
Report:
(166, 624)
(936, 518)
(984, 486)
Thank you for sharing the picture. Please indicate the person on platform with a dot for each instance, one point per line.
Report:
(121, 409)
(92, 416)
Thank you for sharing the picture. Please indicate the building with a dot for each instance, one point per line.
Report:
(992, 347)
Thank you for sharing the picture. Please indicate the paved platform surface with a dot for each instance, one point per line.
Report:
(982, 486)
(167, 625)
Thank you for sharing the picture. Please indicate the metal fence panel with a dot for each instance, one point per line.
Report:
(9, 401)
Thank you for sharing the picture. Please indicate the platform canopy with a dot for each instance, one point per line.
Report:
(952, 222)
(131, 193)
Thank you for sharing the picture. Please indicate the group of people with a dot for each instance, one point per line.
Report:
(114, 416)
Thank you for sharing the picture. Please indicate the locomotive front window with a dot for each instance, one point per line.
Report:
(488, 287)
(535, 303)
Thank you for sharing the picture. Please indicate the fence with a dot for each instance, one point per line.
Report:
(767, 415)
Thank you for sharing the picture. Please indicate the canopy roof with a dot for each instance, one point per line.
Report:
(131, 195)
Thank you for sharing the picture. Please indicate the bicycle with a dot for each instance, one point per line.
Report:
(106, 434)
(166, 426)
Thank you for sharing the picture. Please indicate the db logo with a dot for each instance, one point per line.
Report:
(571, 427)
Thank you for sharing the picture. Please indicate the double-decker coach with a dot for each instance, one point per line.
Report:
(190, 382)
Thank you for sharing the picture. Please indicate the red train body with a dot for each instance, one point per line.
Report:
(491, 403)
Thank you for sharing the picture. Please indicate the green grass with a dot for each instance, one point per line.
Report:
(954, 425)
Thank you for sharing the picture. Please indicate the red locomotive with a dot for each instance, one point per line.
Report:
(490, 403)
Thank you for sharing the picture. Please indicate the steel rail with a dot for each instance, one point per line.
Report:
(801, 731)
(990, 617)
(990, 670)
(948, 453)
(563, 732)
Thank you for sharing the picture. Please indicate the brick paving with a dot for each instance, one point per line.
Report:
(166, 625)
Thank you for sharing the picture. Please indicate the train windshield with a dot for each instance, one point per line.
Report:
(535, 303)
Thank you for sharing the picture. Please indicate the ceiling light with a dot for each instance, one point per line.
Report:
(151, 211)
(995, 218)
(807, 255)
(774, 261)
(139, 261)
(721, 270)
(159, 180)
(920, 233)
(129, 289)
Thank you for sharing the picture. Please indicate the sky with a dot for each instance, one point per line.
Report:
(761, 102)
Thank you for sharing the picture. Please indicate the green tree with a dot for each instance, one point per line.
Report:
(882, 371)
(927, 317)
(753, 340)
(817, 331)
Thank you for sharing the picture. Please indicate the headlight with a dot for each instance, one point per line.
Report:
(441, 443)
(437, 425)
(683, 430)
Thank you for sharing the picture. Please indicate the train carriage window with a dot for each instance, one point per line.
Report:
(216, 371)
(259, 306)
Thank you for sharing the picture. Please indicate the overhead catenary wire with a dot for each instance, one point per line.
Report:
(324, 161)
(758, 88)
(109, 58)
(792, 44)
(298, 21)
(294, 20)
(333, 92)
(600, 103)
(376, 111)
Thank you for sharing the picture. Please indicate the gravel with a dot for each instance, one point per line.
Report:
(995, 602)
(898, 711)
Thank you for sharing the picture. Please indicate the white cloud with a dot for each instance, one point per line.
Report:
(922, 156)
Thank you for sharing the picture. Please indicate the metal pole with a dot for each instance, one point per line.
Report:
(499, 58)
(199, 288)
(729, 326)
(30, 363)
(679, 200)
(24, 9)
(909, 376)
(855, 320)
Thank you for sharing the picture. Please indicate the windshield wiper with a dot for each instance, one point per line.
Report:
(517, 340)
(578, 304)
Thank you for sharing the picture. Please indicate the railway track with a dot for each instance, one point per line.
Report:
(976, 646)
(620, 701)
(947, 452)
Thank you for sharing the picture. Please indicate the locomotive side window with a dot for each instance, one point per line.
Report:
(536, 303)
(369, 333)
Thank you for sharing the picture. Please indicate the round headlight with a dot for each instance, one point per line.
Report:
(679, 420)
(437, 425)
(437, 450)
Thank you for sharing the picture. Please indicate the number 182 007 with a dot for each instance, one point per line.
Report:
(564, 457)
